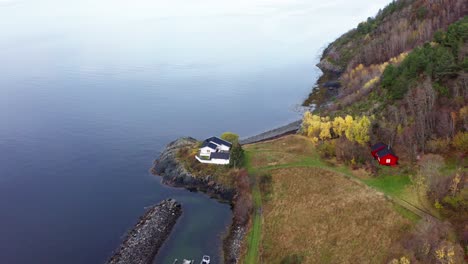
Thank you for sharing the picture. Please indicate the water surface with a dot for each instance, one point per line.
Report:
(91, 92)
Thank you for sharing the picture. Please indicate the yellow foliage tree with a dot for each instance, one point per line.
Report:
(319, 128)
(371, 82)
(339, 126)
(402, 260)
(348, 124)
(360, 130)
(445, 254)
(311, 124)
(325, 130)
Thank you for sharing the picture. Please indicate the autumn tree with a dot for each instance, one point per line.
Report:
(339, 126)
(460, 142)
(356, 130)
(349, 120)
(359, 130)
(231, 137)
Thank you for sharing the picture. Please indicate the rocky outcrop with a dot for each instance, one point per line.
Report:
(173, 173)
(326, 65)
(291, 128)
(147, 236)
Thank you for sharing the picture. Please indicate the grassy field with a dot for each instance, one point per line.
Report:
(317, 215)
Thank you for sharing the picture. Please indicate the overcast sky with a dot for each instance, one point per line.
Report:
(18, 13)
(178, 31)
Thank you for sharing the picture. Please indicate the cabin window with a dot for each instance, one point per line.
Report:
(388, 160)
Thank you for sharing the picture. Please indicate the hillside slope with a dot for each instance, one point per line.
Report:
(399, 27)
(401, 78)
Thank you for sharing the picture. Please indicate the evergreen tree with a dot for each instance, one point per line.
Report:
(236, 156)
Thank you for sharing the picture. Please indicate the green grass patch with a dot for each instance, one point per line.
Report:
(248, 161)
(407, 213)
(255, 233)
(389, 184)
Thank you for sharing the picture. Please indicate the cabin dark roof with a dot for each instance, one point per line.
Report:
(219, 141)
(378, 146)
(385, 151)
(219, 155)
(209, 144)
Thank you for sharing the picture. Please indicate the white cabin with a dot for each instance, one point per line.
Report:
(214, 150)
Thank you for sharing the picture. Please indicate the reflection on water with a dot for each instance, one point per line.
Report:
(91, 92)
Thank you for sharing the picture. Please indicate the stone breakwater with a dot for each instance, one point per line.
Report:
(147, 236)
(290, 128)
(173, 173)
(233, 243)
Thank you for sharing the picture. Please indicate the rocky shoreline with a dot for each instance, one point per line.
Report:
(174, 174)
(144, 240)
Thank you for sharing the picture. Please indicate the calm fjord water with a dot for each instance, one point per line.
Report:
(91, 92)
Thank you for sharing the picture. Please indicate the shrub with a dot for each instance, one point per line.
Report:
(292, 259)
(460, 142)
(326, 149)
(439, 187)
(265, 180)
(243, 201)
(431, 242)
(456, 202)
(351, 152)
(440, 145)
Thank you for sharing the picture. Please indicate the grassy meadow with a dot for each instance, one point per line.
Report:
(317, 212)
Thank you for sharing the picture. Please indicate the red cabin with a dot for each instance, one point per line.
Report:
(376, 148)
(384, 154)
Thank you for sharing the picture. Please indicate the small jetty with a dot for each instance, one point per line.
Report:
(290, 128)
(184, 261)
(147, 236)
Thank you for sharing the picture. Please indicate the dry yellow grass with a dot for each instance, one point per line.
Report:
(280, 151)
(326, 218)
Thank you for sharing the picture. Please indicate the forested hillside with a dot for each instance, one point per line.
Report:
(396, 29)
(401, 78)
(407, 68)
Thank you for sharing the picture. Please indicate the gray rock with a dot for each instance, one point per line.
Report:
(326, 65)
(233, 244)
(147, 236)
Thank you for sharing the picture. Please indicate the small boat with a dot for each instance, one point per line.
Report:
(205, 260)
(185, 261)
